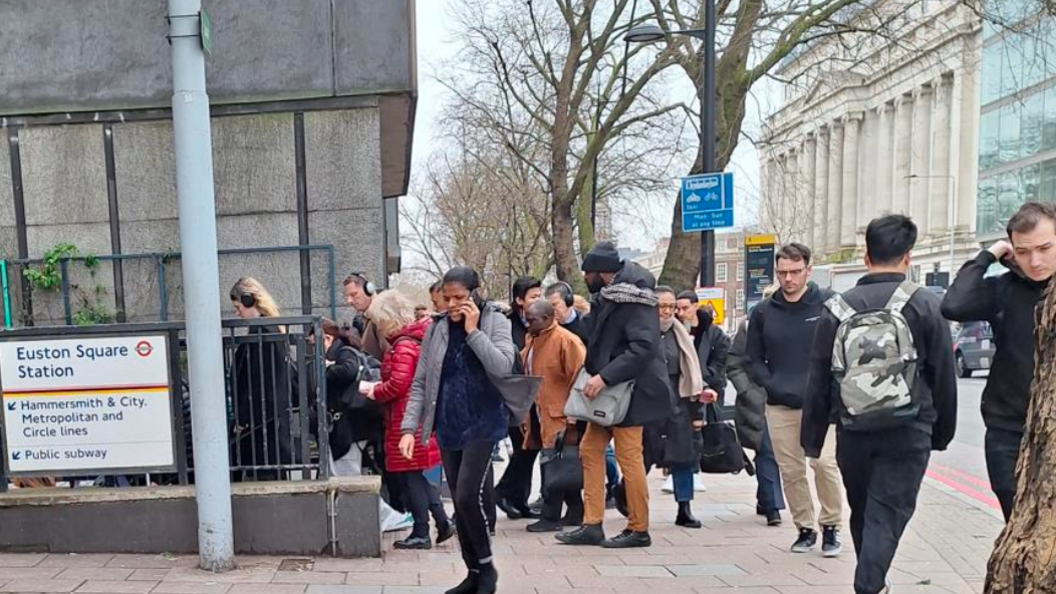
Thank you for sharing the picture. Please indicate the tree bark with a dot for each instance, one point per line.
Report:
(1024, 559)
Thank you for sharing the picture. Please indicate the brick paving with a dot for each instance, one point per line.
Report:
(945, 550)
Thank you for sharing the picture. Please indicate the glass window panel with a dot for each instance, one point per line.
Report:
(986, 207)
(1048, 123)
(1031, 125)
(1030, 180)
(991, 73)
(1047, 188)
(1009, 150)
(1009, 198)
(988, 140)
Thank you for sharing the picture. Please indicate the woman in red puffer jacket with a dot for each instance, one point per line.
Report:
(393, 315)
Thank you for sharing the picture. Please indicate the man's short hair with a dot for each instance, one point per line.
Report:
(1028, 216)
(436, 287)
(521, 287)
(797, 252)
(690, 295)
(664, 289)
(889, 238)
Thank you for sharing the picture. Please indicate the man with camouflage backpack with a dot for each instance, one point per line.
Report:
(882, 368)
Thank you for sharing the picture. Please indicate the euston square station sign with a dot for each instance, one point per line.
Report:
(87, 404)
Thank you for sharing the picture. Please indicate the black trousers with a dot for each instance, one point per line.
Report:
(467, 472)
(515, 485)
(882, 472)
(1002, 454)
(422, 499)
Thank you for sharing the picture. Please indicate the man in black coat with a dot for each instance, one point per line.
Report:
(516, 483)
(624, 345)
(1007, 302)
(560, 297)
(889, 417)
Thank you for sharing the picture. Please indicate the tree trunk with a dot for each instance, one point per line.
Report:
(1024, 559)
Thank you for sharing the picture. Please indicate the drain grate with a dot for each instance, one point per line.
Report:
(296, 565)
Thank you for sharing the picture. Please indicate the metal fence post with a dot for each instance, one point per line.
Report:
(201, 294)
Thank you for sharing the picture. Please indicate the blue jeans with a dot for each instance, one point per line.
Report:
(768, 496)
(682, 479)
(612, 472)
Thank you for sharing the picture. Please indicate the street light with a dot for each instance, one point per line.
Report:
(952, 210)
(652, 34)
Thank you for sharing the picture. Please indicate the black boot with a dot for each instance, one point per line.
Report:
(468, 585)
(489, 579)
(685, 516)
(587, 535)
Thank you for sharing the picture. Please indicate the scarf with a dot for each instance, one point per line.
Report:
(690, 378)
(628, 293)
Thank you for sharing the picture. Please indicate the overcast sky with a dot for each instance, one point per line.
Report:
(435, 45)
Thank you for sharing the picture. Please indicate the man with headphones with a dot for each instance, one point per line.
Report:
(561, 298)
(359, 293)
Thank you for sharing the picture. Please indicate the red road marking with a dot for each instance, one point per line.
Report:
(962, 476)
(984, 497)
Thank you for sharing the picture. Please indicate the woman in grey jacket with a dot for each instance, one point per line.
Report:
(467, 354)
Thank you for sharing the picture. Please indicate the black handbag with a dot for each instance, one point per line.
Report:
(562, 469)
(721, 452)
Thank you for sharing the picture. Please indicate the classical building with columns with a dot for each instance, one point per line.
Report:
(879, 124)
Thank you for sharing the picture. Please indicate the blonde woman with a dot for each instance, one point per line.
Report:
(394, 317)
(261, 394)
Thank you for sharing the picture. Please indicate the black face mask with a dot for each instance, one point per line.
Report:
(595, 284)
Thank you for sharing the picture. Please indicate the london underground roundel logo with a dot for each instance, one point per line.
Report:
(144, 348)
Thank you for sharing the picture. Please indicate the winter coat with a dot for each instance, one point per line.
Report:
(374, 344)
(493, 345)
(934, 392)
(556, 356)
(341, 376)
(578, 326)
(750, 409)
(394, 392)
(713, 346)
(261, 394)
(671, 442)
(780, 337)
(518, 329)
(1007, 302)
(625, 343)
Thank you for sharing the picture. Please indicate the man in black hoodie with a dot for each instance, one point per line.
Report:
(1007, 302)
(891, 411)
(780, 337)
(624, 346)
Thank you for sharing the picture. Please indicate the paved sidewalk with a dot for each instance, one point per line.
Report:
(945, 550)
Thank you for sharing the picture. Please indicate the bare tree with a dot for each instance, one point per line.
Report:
(556, 76)
(755, 36)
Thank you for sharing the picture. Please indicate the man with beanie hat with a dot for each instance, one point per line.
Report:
(624, 345)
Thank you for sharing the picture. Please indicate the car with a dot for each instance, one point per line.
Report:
(973, 348)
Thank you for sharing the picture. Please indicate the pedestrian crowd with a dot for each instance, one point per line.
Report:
(849, 391)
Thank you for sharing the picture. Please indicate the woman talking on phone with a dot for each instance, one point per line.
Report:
(455, 393)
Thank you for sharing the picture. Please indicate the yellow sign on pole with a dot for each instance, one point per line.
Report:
(760, 240)
(715, 298)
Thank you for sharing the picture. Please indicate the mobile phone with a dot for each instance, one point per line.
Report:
(477, 299)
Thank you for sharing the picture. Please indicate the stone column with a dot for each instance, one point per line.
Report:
(884, 164)
(868, 191)
(920, 189)
(851, 128)
(821, 189)
(806, 175)
(902, 153)
(939, 213)
(835, 188)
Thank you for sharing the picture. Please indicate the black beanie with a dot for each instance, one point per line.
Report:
(603, 257)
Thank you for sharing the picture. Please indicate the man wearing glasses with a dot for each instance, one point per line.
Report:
(780, 338)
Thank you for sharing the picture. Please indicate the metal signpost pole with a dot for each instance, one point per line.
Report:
(190, 36)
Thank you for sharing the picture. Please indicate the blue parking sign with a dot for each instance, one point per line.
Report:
(707, 202)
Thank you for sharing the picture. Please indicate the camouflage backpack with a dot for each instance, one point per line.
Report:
(874, 361)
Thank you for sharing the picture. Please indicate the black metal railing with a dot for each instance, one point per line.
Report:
(275, 395)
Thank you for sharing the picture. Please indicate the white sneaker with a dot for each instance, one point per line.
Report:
(669, 485)
(698, 484)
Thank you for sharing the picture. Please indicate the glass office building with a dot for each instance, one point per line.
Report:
(1017, 144)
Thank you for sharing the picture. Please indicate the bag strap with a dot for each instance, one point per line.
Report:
(900, 298)
(840, 308)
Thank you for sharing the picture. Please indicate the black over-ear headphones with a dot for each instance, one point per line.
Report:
(566, 293)
(368, 287)
(247, 299)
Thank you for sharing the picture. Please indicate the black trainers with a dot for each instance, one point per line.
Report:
(488, 582)
(468, 585)
(831, 546)
(421, 543)
(806, 542)
(545, 526)
(773, 518)
(628, 540)
(583, 536)
(445, 533)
